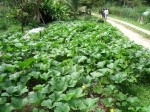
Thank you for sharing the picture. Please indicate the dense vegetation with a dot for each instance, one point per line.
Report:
(132, 13)
(74, 66)
(35, 12)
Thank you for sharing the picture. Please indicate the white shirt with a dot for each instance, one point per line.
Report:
(106, 11)
(146, 13)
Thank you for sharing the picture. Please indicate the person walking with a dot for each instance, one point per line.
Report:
(101, 12)
(143, 16)
(106, 12)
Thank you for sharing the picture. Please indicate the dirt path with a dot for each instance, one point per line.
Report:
(131, 25)
(133, 36)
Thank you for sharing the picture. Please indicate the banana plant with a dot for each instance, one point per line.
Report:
(73, 4)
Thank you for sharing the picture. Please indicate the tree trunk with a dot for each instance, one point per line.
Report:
(38, 15)
(22, 19)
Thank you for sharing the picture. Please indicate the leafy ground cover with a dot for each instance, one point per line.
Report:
(75, 66)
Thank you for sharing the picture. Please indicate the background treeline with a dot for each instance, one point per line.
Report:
(31, 12)
(35, 12)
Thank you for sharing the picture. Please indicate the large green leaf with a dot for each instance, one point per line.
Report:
(19, 45)
(132, 99)
(47, 103)
(38, 110)
(59, 83)
(2, 76)
(36, 97)
(90, 103)
(6, 108)
(46, 89)
(19, 103)
(57, 96)
(74, 93)
(80, 59)
(120, 77)
(108, 102)
(2, 100)
(11, 89)
(21, 89)
(111, 65)
(101, 64)
(15, 76)
(38, 87)
(45, 76)
(96, 74)
(34, 74)
(62, 107)
(121, 96)
(26, 62)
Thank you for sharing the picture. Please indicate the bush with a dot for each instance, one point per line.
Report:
(52, 10)
(147, 19)
(3, 24)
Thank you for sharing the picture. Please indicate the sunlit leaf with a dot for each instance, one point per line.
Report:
(47, 103)
(26, 62)
(19, 103)
(62, 107)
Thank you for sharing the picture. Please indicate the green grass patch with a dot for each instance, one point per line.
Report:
(142, 91)
(134, 22)
(10, 27)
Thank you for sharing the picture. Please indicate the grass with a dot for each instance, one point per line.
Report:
(142, 91)
(136, 23)
(134, 29)
(13, 29)
(8, 28)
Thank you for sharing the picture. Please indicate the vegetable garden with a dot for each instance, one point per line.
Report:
(74, 66)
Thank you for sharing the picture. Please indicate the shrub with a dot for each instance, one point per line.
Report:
(52, 10)
(3, 24)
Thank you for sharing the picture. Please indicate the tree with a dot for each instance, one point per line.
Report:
(73, 4)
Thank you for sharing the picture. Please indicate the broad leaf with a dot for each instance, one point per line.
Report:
(11, 89)
(36, 97)
(62, 107)
(91, 103)
(47, 103)
(96, 74)
(19, 103)
(120, 77)
(26, 62)
(101, 64)
(38, 87)
(2, 100)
